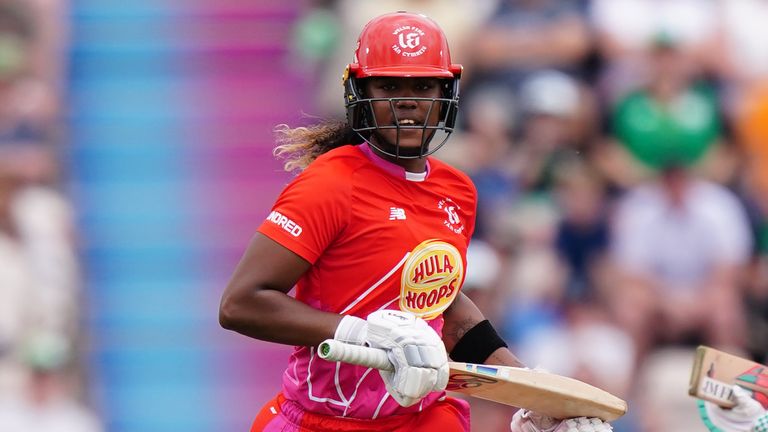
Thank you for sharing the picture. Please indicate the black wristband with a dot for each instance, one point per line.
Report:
(477, 344)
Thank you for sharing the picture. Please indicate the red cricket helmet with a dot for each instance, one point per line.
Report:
(401, 44)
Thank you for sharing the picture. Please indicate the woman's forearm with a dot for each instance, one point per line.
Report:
(274, 316)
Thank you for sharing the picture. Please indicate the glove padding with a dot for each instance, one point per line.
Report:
(352, 330)
(528, 421)
(416, 351)
(747, 416)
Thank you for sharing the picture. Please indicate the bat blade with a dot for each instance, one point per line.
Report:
(550, 394)
(545, 393)
(715, 372)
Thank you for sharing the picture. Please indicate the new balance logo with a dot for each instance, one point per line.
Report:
(396, 213)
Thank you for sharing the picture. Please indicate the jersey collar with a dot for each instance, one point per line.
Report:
(393, 168)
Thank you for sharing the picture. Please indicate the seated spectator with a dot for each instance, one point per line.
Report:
(738, 58)
(481, 283)
(751, 126)
(756, 304)
(582, 234)
(29, 103)
(523, 36)
(587, 346)
(47, 403)
(315, 37)
(661, 391)
(680, 246)
(39, 283)
(623, 30)
(16, 283)
(534, 278)
(485, 151)
(735, 51)
(671, 114)
(46, 223)
(550, 104)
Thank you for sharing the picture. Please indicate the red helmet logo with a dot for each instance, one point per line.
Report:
(405, 45)
(411, 41)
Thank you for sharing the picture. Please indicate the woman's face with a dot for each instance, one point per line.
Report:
(405, 112)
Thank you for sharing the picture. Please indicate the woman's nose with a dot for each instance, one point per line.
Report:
(404, 102)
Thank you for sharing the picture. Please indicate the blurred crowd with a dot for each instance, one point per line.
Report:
(620, 153)
(619, 149)
(41, 385)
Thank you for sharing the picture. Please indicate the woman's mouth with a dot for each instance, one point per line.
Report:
(407, 122)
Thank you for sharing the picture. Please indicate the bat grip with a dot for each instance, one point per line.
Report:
(333, 350)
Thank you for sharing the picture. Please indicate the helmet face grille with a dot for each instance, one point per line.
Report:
(401, 45)
(362, 120)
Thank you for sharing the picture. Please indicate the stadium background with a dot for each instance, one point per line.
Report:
(168, 99)
(159, 116)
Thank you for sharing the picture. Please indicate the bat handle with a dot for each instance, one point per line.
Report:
(333, 350)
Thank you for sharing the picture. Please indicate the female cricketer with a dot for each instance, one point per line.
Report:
(373, 234)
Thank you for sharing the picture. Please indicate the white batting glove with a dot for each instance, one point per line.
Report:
(416, 351)
(747, 416)
(413, 347)
(352, 330)
(528, 421)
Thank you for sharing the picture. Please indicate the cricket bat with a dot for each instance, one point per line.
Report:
(715, 372)
(545, 393)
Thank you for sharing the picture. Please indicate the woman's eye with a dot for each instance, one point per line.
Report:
(427, 86)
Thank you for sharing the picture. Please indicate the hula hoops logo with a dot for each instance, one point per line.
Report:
(431, 278)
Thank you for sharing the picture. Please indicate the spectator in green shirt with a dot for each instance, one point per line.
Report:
(671, 116)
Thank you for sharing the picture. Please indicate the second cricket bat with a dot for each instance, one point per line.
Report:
(715, 372)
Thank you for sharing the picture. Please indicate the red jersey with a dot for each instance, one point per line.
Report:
(377, 237)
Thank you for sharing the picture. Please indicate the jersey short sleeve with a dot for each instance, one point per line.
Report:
(310, 212)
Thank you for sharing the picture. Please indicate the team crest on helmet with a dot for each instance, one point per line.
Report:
(409, 41)
(431, 278)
